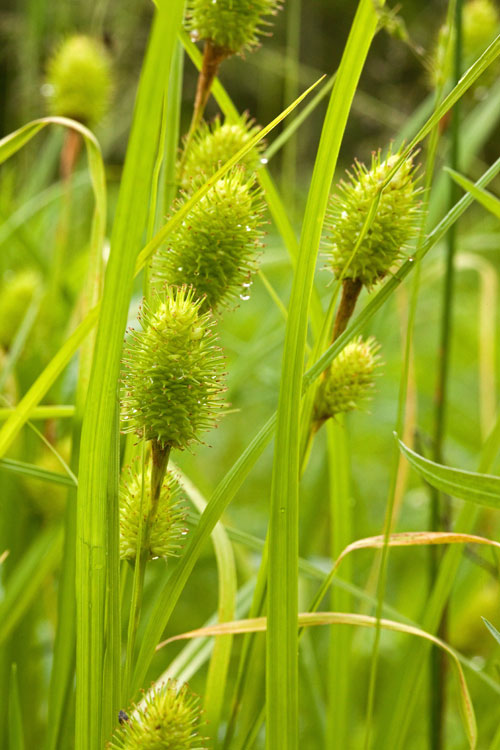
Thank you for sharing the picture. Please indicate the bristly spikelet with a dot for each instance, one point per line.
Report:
(169, 720)
(349, 381)
(216, 247)
(392, 228)
(232, 26)
(212, 145)
(167, 526)
(79, 80)
(173, 369)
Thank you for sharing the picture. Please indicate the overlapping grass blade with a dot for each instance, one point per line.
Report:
(229, 485)
(281, 662)
(96, 503)
(486, 199)
(227, 583)
(311, 619)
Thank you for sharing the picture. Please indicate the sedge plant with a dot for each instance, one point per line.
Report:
(110, 561)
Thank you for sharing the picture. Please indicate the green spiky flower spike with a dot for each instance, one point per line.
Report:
(227, 28)
(216, 248)
(79, 80)
(364, 262)
(349, 381)
(168, 719)
(232, 26)
(171, 394)
(212, 145)
(79, 84)
(173, 369)
(168, 526)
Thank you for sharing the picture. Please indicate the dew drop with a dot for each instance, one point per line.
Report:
(47, 89)
(264, 160)
(244, 297)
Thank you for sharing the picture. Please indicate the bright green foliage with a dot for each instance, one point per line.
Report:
(233, 25)
(167, 526)
(167, 720)
(79, 77)
(173, 368)
(480, 25)
(15, 296)
(215, 249)
(349, 381)
(212, 145)
(392, 228)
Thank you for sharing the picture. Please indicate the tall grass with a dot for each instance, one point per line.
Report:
(274, 503)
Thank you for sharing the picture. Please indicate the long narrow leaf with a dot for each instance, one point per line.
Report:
(96, 504)
(483, 489)
(281, 642)
(486, 199)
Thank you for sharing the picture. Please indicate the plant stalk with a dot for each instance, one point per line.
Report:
(351, 289)
(159, 460)
(440, 512)
(213, 56)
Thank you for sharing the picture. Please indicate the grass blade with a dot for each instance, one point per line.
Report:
(16, 734)
(96, 505)
(483, 489)
(260, 624)
(282, 645)
(39, 561)
(486, 199)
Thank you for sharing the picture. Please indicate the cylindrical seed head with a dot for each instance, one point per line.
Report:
(172, 371)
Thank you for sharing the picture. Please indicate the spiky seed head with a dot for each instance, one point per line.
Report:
(79, 80)
(167, 529)
(232, 26)
(393, 226)
(168, 719)
(216, 247)
(172, 371)
(16, 294)
(349, 381)
(212, 145)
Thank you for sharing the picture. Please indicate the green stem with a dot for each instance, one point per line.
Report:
(159, 459)
(440, 505)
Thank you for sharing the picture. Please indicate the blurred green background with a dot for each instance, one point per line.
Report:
(394, 87)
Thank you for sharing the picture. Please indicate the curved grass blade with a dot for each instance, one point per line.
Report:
(308, 619)
(8, 146)
(36, 472)
(483, 489)
(229, 485)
